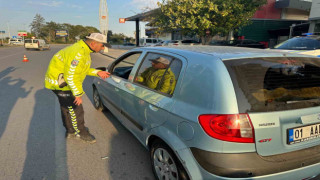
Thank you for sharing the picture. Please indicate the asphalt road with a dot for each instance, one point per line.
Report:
(32, 142)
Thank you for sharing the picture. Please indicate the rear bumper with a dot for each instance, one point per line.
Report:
(249, 165)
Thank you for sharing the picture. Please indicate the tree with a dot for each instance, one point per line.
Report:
(206, 18)
(37, 24)
(50, 29)
(117, 38)
(29, 35)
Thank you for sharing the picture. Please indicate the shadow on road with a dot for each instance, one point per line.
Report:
(11, 91)
(46, 146)
(128, 153)
(125, 150)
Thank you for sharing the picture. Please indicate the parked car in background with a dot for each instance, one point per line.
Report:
(149, 41)
(37, 44)
(177, 42)
(163, 43)
(239, 43)
(309, 45)
(16, 41)
(218, 113)
(183, 42)
(218, 43)
(246, 43)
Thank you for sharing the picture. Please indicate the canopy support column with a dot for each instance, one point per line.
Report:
(137, 32)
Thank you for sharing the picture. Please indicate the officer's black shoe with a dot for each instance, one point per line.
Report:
(88, 138)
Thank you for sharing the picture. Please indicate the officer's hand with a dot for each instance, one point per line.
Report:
(103, 74)
(78, 101)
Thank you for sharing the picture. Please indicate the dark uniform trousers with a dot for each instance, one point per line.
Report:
(72, 115)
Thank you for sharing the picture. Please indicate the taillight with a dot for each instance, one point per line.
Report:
(228, 127)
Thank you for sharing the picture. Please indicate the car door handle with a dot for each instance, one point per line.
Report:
(153, 108)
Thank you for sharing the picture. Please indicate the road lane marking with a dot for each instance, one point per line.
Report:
(11, 55)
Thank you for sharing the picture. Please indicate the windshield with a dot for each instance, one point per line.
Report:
(275, 84)
(299, 44)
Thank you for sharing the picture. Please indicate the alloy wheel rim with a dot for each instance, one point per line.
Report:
(164, 165)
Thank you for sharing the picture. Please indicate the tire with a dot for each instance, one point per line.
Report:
(170, 169)
(97, 103)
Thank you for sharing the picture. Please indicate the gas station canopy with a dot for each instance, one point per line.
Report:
(141, 17)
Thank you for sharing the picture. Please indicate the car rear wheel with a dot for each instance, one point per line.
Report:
(97, 100)
(165, 165)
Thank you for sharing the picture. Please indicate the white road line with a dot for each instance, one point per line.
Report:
(11, 55)
(61, 167)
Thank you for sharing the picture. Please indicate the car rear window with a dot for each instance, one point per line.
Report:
(275, 84)
(27, 41)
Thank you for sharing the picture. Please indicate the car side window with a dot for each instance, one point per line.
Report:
(159, 72)
(123, 67)
(175, 68)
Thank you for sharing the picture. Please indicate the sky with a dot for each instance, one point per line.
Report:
(18, 14)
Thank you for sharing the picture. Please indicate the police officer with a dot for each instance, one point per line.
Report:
(65, 75)
(151, 76)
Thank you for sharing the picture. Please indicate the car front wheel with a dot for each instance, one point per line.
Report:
(96, 100)
(165, 164)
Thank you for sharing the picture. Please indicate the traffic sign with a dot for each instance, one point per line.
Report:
(22, 33)
(14, 37)
(122, 20)
(61, 33)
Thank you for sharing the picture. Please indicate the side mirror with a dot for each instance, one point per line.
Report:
(101, 68)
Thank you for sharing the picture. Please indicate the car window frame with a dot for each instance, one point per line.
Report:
(121, 58)
(154, 90)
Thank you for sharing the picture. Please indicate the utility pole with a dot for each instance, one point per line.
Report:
(104, 19)
(1, 32)
(8, 30)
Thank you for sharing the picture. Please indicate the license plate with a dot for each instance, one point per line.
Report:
(305, 133)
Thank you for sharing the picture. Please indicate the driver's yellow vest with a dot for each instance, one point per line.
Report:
(69, 67)
(151, 78)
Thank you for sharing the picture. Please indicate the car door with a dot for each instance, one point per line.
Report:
(146, 107)
(120, 70)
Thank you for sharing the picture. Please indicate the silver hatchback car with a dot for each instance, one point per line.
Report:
(219, 112)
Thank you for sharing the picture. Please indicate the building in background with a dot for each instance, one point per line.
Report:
(277, 21)
(273, 23)
(315, 17)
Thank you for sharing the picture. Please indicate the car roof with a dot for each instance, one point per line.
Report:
(309, 37)
(224, 52)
